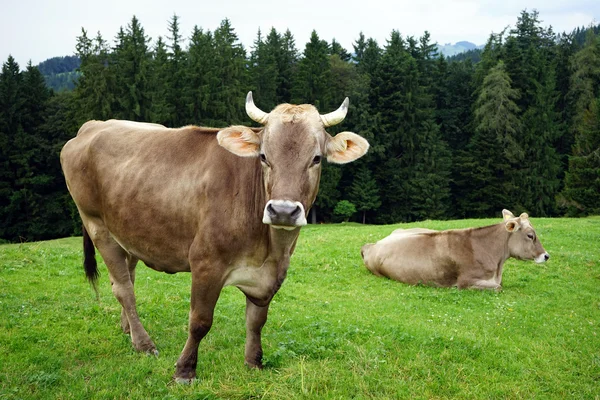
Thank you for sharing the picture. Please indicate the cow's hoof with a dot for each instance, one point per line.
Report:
(146, 347)
(184, 378)
(254, 365)
(184, 381)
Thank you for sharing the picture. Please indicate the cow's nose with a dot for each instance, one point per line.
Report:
(283, 210)
(284, 213)
(546, 257)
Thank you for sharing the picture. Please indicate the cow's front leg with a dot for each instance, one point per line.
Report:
(256, 317)
(481, 284)
(205, 292)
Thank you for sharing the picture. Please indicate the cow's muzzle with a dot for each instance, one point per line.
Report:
(542, 258)
(284, 214)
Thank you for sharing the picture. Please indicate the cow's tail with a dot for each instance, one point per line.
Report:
(89, 260)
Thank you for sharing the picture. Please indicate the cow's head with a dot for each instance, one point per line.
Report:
(523, 242)
(291, 146)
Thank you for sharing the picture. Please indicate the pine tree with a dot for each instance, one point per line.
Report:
(40, 187)
(329, 195)
(388, 91)
(453, 96)
(95, 90)
(529, 56)
(490, 56)
(416, 161)
(201, 77)
(60, 217)
(28, 187)
(364, 193)
(264, 71)
(371, 57)
(455, 101)
(314, 74)
(566, 48)
(161, 111)
(486, 180)
(342, 75)
(229, 94)
(131, 62)
(337, 49)
(540, 182)
(359, 48)
(11, 102)
(176, 85)
(287, 64)
(581, 194)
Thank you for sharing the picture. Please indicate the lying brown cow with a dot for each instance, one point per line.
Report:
(226, 205)
(466, 258)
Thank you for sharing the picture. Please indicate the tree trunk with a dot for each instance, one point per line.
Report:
(313, 215)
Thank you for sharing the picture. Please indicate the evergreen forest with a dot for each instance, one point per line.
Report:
(515, 125)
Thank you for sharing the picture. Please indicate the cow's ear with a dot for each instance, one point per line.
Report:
(524, 216)
(240, 140)
(512, 226)
(346, 147)
(507, 214)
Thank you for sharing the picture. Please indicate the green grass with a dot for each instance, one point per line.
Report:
(335, 331)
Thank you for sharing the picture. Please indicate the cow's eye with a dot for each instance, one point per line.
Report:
(316, 160)
(530, 236)
(263, 158)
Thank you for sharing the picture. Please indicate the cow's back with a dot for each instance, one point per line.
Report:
(109, 163)
(155, 188)
(412, 256)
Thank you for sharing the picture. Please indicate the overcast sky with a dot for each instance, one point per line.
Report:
(39, 29)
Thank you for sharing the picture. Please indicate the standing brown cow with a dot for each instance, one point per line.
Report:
(226, 205)
(467, 258)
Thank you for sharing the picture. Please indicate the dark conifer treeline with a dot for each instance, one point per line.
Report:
(517, 128)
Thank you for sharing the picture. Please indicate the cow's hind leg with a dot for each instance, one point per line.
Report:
(131, 263)
(256, 317)
(118, 264)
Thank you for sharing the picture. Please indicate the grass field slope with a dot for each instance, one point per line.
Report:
(335, 331)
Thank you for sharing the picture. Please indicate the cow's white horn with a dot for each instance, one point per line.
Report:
(254, 112)
(334, 118)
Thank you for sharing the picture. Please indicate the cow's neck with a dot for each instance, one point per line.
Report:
(494, 241)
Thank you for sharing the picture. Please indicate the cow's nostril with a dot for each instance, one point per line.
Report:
(295, 213)
(546, 256)
(271, 210)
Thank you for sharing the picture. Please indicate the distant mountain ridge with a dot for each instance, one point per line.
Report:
(449, 50)
(60, 73)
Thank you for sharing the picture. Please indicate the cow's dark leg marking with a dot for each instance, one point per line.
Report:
(256, 317)
(131, 263)
(116, 261)
(206, 288)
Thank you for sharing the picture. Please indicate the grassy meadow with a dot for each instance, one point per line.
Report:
(335, 331)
